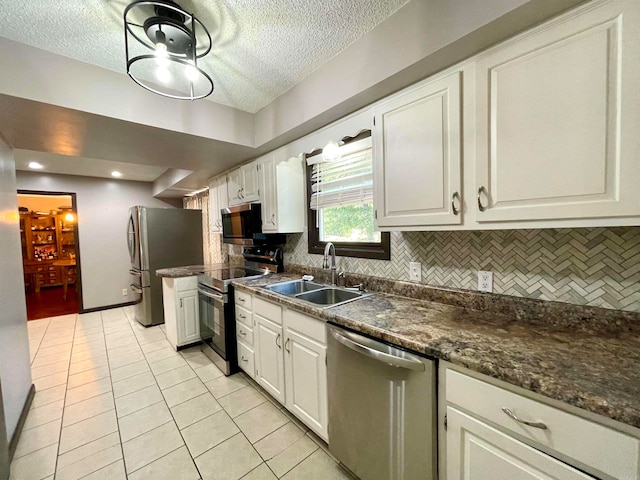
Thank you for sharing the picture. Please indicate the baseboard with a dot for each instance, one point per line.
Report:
(13, 444)
(108, 307)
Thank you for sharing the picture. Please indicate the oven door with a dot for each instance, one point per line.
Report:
(212, 325)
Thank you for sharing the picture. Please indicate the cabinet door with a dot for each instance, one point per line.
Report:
(223, 196)
(268, 198)
(306, 380)
(269, 362)
(234, 186)
(476, 451)
(249, 192)
(558, 113)
(417, 156)
(188, 326)
(215, 219)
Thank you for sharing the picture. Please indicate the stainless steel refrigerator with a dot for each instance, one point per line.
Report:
(160, 238)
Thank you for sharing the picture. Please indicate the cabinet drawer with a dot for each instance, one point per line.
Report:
(244, 299)
(607, 450)
(51, 269)
(309, 326)
(244, 316)
(244, 333)
(246, 359)
(267, 310)
(186, 283)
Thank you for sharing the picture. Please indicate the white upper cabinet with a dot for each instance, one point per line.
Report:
(557, 121)
(217, 201)
(242, 184)
(417, 156)
(281, 184)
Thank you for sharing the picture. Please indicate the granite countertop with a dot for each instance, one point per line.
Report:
(595, 371)
(189, 270)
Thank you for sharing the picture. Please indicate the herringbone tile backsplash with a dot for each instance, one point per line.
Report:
(585, 266)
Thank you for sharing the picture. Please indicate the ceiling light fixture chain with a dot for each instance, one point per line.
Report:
(163, 43)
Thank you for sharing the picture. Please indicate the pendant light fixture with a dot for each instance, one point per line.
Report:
(163, 44)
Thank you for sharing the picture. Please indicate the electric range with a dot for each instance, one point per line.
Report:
(216, 306)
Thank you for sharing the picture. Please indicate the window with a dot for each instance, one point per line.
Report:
(340, 196)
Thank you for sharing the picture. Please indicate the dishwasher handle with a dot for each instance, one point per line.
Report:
(367, 350)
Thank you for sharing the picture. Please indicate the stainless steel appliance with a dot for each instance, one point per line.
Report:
(160, 238)
(216, 307)
(382, 408)
(241, 223)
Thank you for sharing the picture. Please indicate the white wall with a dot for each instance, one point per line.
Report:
(15, 371)
(103, 213)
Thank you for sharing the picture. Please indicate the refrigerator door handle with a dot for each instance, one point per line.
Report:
(137, 273)
(135, 288)
(131, 238)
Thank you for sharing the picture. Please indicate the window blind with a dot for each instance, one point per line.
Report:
(347, 181)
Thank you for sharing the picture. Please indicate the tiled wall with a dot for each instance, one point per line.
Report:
(585, 266)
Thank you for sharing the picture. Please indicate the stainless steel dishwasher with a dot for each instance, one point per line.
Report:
(382, 408)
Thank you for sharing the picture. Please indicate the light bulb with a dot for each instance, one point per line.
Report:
(331, 152)
(69, 218)
(162, 57)
(191, 72)
(163, 74)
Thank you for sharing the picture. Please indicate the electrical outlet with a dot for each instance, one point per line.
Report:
(415, 271)
(485, 281)
(124, 292)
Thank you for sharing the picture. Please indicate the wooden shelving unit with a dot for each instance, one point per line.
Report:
(47, 239)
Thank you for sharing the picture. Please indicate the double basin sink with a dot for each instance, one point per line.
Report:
(316, 293)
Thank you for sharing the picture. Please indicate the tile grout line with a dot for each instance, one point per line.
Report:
(184, 443)
(115, 407)
(64, 399)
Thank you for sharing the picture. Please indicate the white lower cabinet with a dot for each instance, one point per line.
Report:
(495, 433)
(285, 352)
(477, 451)
(180, 297)
(270, 362)
(306, 370)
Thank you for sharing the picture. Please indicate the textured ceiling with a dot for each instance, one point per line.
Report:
(261, 48)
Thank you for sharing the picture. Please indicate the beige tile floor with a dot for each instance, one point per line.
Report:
(115, 401)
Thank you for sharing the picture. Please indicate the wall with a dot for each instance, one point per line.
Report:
(103, 213)
(584, 266)
(15, 371)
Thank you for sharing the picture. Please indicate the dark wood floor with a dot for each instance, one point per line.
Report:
(49, 303)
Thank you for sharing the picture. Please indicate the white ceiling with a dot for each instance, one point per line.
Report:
(87, 167)
(261, 48)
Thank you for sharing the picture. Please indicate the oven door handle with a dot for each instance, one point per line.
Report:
(215, 296)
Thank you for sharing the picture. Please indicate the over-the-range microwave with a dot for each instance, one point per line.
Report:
(241, 224)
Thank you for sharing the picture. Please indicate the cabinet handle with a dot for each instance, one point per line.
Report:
(453, 202)
(180, 303)
(481, 207)
(285, 345)
(279, 344)
(530, 424)
(242, 316)
(241, 300)
(244, 359)
(273, 219)
(243, 333)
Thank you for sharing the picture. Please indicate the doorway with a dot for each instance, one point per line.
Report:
(50, 253)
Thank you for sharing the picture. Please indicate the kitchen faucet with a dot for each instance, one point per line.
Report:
(330, 249)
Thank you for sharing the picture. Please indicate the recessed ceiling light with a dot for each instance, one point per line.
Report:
(35, 165)
(116, 174)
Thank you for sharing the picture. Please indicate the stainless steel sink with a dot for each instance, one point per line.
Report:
(316, 293)
(329, 296)
(294, 287)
